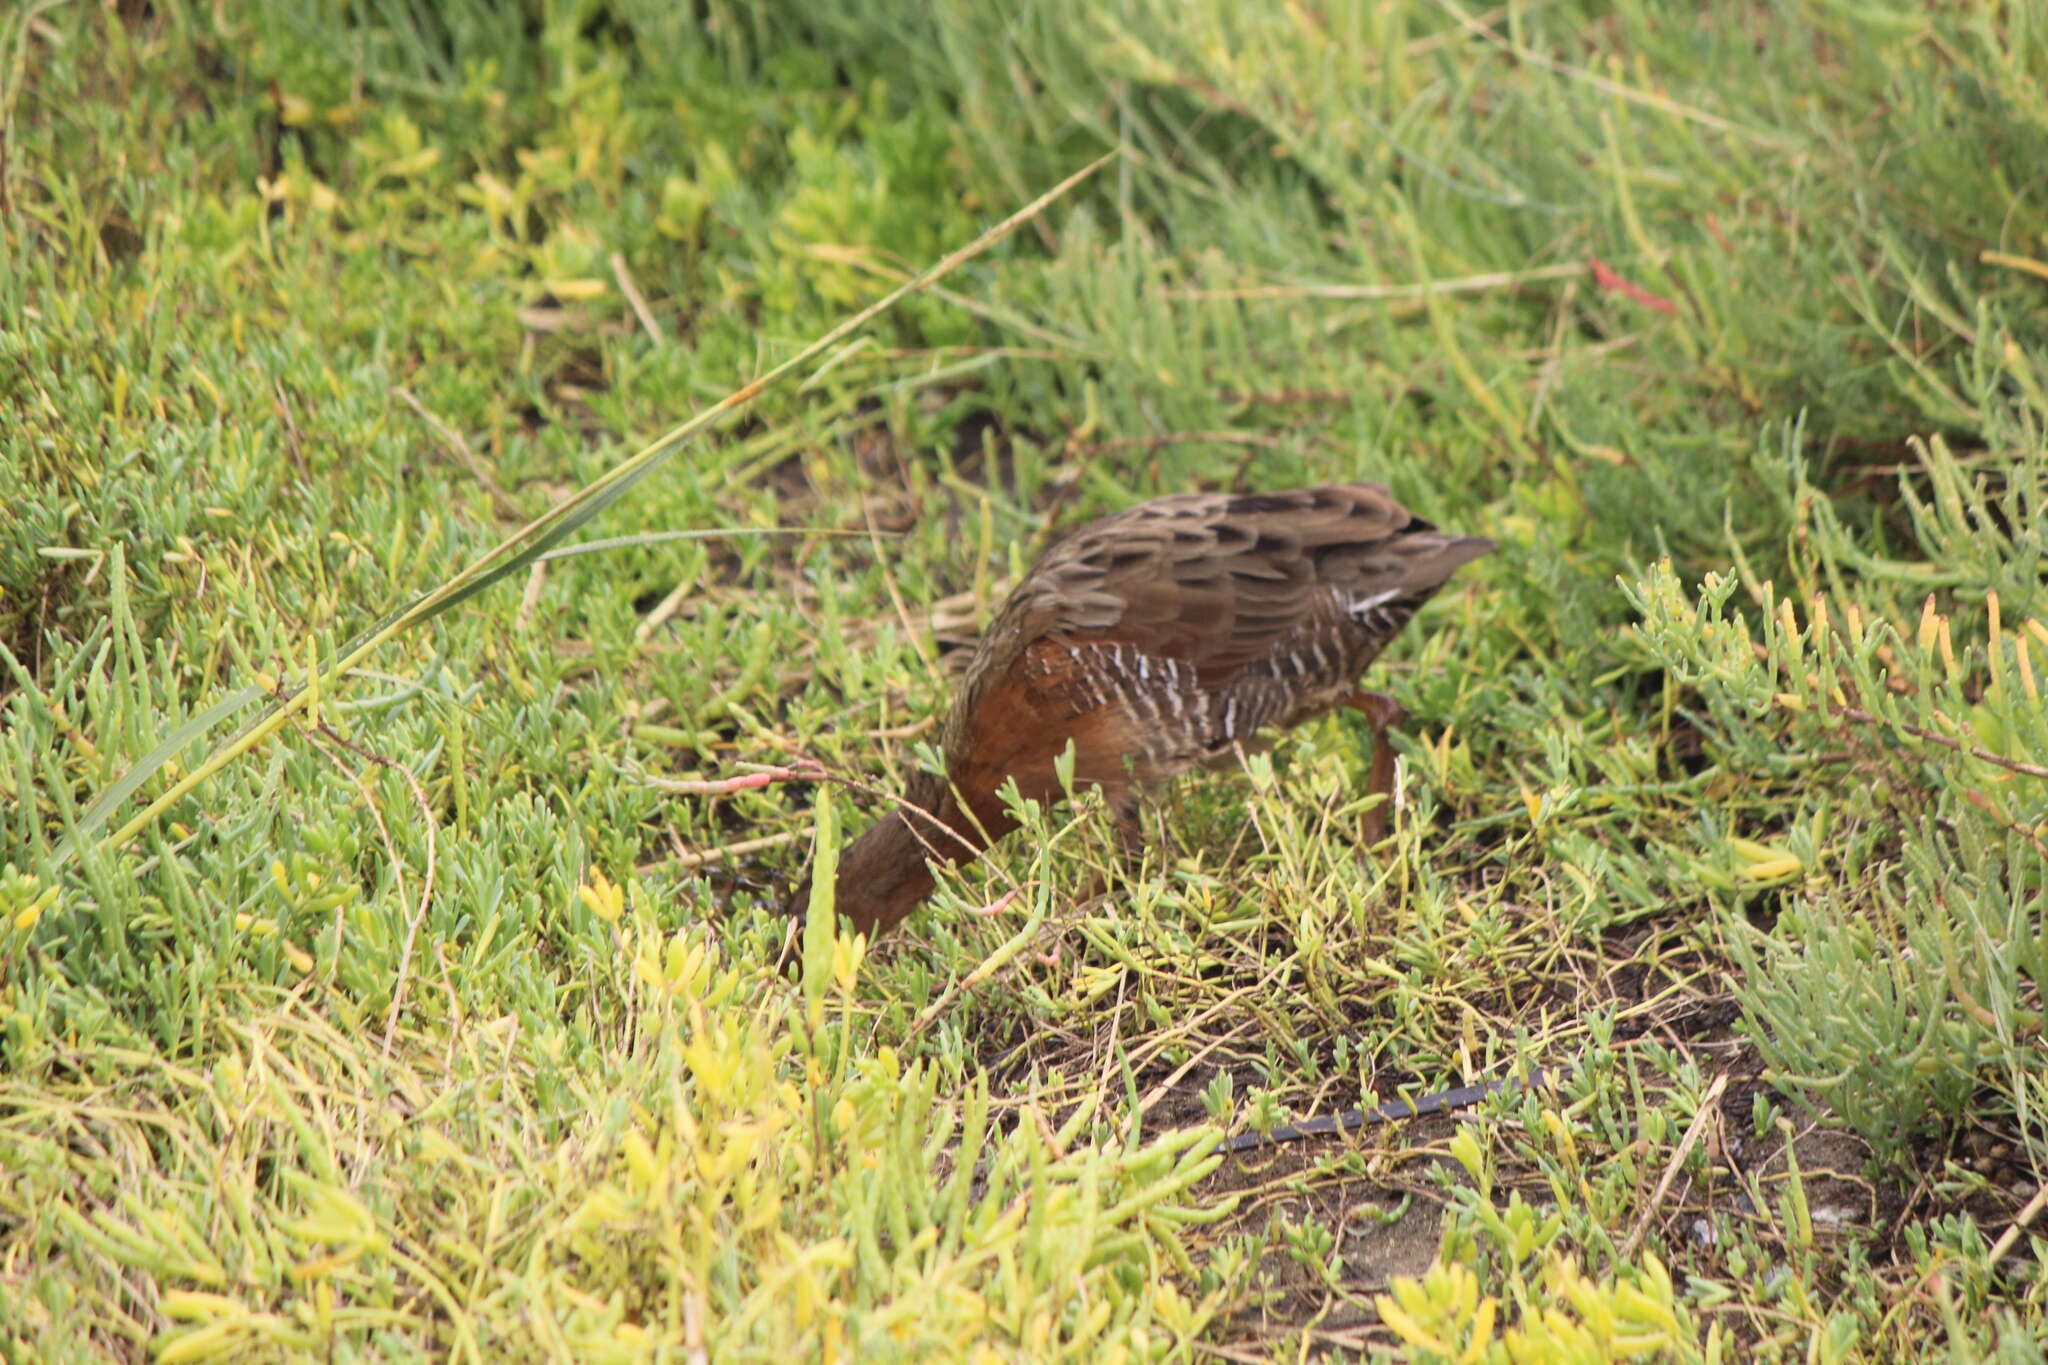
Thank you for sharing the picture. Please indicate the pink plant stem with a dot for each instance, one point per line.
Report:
(726, 786)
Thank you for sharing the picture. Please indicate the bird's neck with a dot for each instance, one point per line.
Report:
(887, 871)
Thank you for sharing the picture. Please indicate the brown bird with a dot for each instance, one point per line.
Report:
(1158, 640)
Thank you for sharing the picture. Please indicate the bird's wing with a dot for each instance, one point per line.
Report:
(1214, 583)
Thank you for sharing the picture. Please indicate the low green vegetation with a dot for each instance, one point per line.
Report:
(439, 1020)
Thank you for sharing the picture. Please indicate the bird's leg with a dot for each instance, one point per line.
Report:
(1382, 713)
(1125, 809)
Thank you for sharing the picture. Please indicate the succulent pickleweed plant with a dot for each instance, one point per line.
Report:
(1566, 1317)
(1904, 969)
(24, 899)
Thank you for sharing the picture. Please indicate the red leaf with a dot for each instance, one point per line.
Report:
(1604, 276)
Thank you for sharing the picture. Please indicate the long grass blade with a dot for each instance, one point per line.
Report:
(519, 549)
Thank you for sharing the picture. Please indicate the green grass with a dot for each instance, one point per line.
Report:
(432, 1023)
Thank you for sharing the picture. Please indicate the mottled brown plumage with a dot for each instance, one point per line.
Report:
(1158, 640)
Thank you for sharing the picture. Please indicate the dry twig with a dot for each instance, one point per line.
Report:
(1694, 1131)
